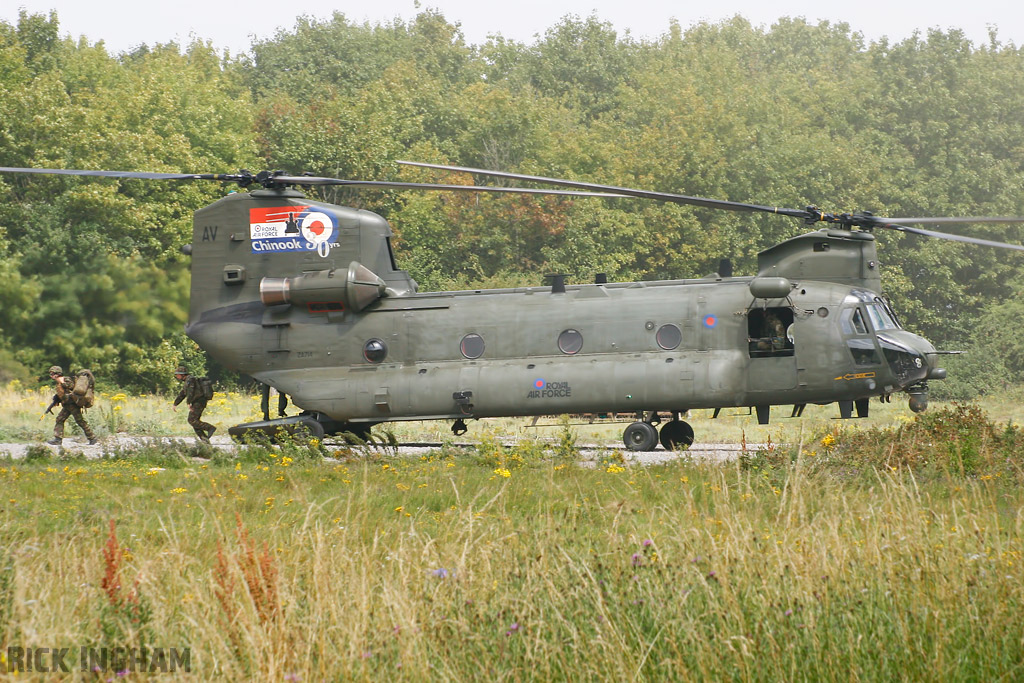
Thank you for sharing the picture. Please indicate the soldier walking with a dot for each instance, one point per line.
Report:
(192, 393)
(64, 397)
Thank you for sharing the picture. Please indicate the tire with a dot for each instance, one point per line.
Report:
(676, 435)
(640, 436)
(309, 428)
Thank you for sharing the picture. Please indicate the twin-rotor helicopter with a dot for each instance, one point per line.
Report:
(306, 296)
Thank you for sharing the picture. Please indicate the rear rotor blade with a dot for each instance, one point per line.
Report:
(277, 179)
(394, 185)
(124, 174)
(629, 192)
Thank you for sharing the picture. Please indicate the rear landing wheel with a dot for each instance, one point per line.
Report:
(640, 436)
(676, 435)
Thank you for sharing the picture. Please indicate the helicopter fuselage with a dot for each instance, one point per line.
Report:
(624, 347)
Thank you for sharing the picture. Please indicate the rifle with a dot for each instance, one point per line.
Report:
(49, 410)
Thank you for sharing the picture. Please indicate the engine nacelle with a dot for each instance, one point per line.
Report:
(354, 289)
(770, 287)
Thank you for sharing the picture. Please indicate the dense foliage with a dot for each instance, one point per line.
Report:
(790, 115)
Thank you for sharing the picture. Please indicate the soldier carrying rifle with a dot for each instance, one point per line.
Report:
(71, 403)
(196, 392)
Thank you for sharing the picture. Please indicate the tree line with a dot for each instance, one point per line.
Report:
(789, 115)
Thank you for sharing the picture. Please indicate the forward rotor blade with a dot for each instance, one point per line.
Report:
(626, 191)
(123, 174)
(393, 185)
(864, 220)
(884, 223)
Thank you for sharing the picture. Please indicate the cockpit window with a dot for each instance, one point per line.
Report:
(853, 322)
(881, 319)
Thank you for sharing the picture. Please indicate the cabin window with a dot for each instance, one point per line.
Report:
(669, 337)
(472, 346)
(375, 351)
(769, 332)
(570, 342)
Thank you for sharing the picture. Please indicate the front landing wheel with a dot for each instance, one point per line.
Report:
(640, 436)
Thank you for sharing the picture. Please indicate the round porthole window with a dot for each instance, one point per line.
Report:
(375, 351)
(570, 342)
(669, 337)
(472, 346)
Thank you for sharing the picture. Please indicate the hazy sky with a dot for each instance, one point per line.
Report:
(123, 24)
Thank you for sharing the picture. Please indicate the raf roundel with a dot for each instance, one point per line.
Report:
(538, 384)
(710, 321)
(317, 226)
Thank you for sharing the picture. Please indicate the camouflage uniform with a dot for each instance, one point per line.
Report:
(192, 393)
(64, 397)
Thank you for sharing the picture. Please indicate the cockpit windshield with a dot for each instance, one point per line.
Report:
(881, 317)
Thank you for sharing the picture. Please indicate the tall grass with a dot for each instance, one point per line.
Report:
(21, 419)
(520, 565)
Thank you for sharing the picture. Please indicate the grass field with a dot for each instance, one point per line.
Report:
(892, 551)
(21, 419)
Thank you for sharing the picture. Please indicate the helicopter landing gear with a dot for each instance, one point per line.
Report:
(918, 397)
(676, 435)
(640, 436)
(305, 426)
(459, 427)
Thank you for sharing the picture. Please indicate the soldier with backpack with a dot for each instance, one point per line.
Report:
(196, 392)
(72, 394)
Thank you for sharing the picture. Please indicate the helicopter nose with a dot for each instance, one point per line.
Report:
(911, 358)
(913, 361)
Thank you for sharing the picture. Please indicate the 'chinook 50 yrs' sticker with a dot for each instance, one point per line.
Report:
(278, 229)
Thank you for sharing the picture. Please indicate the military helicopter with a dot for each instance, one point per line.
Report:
(306, 296)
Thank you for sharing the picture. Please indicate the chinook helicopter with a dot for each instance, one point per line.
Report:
(307, 297)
